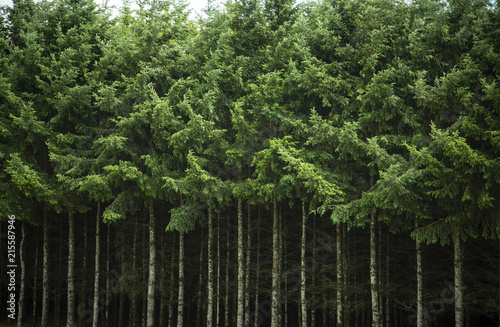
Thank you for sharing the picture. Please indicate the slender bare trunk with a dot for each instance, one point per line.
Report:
(45, 278)
(210, 286)
(71, 275)
(108, 300)
(247, 270)
(83, 293)
(313, 279)
(241, 267)
(388, 288)
(172, 286)
(144, 306)
(499, 283)
(180, 311)
(345, 277)
(283, 302)
(217, 317)
(285, 264)
(57, 307)
(35, 280)
(340, 308)
(257, 273)
(420, 299)
(275, 302)
(303, 268)
(226, 298)
(152, 266)
(20, 316)
(163, 295)
(357, 314)
(379, 277)
(459, 291)
(200, 287)
(97, 269)
(374, 275)
(133, 300)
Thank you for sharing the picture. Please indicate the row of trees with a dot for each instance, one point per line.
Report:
(328, 163)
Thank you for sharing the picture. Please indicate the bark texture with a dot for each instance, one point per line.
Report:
(95, 315)
(255, 316)
(217, 314)
(340, 309)
(35, 281)
(420, 304)
(247, 270)
(376, 322)
(303, 268)
(241, 267)
(152, 267)
(45, 278)
(20, 314)
(71, 276)
(226, 298)
(275, 303)
(459, 290)
(210, 286)
(180, 310)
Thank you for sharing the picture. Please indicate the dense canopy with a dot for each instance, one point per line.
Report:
(328, 163)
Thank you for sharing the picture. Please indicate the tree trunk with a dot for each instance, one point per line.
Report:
(345, 279)
(374, 275)
(420, 299)
(357, 313)
(20, 316)
(172, 285)
(35, 280)
(499, 283)
(152, 267)
(122, 296)
(283, 267)
(180, 311)
(71, 275)
(217, 317)
(83, 293)
(255, 317)
(97, 269)
(275, 302)
(247, 270)
(45, 281)
(200, 287)
(210, 286)
(303, 303)
(340, 309)
(133, 300)
(388, 289)
(380, 274)
(313, 279)
(57, 307)
(459, 291)
(282, 303)
(241, 267)
(226, 298)
(107, 277)
(163, 295)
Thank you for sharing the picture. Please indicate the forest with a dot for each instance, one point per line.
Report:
(268, 163)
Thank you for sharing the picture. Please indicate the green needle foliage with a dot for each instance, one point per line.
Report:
(381, 114)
